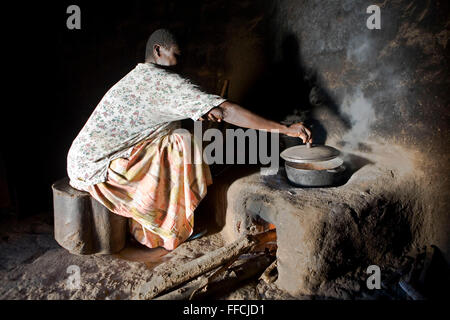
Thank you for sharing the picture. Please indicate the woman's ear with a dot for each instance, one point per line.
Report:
(157, 50)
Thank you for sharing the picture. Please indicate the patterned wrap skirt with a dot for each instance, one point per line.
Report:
(158, 187)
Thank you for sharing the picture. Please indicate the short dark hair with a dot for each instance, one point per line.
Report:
(162, 37)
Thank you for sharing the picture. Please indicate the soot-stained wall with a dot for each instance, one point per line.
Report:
(390, 82)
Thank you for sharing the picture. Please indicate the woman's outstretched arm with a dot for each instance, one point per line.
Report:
(239, 116)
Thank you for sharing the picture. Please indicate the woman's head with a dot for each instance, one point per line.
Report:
(162, 48)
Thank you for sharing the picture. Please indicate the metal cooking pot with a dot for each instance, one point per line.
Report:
(315, 166)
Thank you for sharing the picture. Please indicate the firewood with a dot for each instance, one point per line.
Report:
(232, 278)
(193, 269)
(204, 284)
(252, 268)
(185, 292)
(266, 276)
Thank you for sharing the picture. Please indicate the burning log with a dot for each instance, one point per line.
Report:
(191, 270)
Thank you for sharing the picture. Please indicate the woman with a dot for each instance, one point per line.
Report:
(129, 157)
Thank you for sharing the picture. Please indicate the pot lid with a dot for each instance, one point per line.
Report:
(303, 154)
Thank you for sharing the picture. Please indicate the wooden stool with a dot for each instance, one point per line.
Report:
(84, 226)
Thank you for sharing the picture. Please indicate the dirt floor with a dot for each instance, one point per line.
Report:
(33, 266)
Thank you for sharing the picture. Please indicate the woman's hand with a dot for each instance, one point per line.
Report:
(215, 115)
(298, 130)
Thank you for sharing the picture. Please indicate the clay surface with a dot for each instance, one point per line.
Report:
(324, 233)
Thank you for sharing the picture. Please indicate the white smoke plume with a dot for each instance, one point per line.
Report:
(355, 106)
(359, 110)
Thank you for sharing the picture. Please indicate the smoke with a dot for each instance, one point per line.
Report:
(361, 114)
(380, 83)
(356, 107)
(359, 50)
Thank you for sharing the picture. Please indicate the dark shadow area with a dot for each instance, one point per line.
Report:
(283, 89)
(434, 276)
(288, 93)
(211, 212)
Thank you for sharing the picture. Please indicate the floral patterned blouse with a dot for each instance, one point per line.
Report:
(146, 103)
